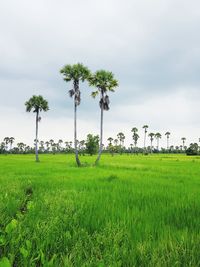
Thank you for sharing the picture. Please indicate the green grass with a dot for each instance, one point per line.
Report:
(128, 211)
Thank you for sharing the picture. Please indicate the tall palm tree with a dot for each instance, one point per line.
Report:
(135, 136)
(75, 73)
(41, 146)
(135, 139)
(167, 134)
(116, 142)
(51, 142)
(105, 82)
(37, 104)
(158, 136)
(151, 135)
(21, 146)
(110, 139)
(11, 140)
(145, 127)
(60, 141)
(121, 138)
(183, 140)
(47, 143)
(7, 141)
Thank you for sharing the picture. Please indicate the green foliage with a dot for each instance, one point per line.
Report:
(103, 81)
(92, 144)
(4, 262)
(37, 103)
(193, 149)
(76, 72)
(11, 226)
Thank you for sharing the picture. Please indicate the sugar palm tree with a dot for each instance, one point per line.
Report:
(167, 134)
(158, 137)
(151, 135)
(105, 82)
(135, 136)
(21, 146)
(110, 139)
(121, 138)
(145, 127)
(51, 142)
(47, 143)
(60, 141)
(37, 104)
(75, 73)
(183, 140)
(116, 142)
(7, 141)
(11, 140)
(41, 146)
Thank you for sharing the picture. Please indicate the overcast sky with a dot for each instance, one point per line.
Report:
(152, 47)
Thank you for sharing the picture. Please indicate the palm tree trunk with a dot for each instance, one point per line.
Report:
(36, 138)
(101, 135)
(75, 135)
(144, 140)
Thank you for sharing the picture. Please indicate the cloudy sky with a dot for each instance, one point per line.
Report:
(152, 47)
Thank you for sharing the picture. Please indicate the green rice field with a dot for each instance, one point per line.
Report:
(128, 211)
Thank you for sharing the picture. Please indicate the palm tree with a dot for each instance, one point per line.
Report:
(135, 139)
(104, 82)
(167, 134)
(145, 127)
(158, 136)
(11, 140)
(135, 136)
(121, 138)
(7, 141)
(47, 143)
(37, 104)
(60, 141)
(42, 146)
(21, 146)
(183, 140)
(151, 135)
(76, 73)
(116, 142)
(51, 142)
(110, 139)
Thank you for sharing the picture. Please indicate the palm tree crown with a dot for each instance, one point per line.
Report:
(37, 104)
(75, 73)
(145, 127)
(104, 81)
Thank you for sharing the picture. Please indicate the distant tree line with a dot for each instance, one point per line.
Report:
(91, 145)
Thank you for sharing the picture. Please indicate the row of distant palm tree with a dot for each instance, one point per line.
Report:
(135, 136)
(114, 146)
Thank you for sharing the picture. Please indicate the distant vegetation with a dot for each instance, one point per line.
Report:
(115, 145)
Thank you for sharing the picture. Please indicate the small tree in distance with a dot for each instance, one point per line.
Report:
(92, 144)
